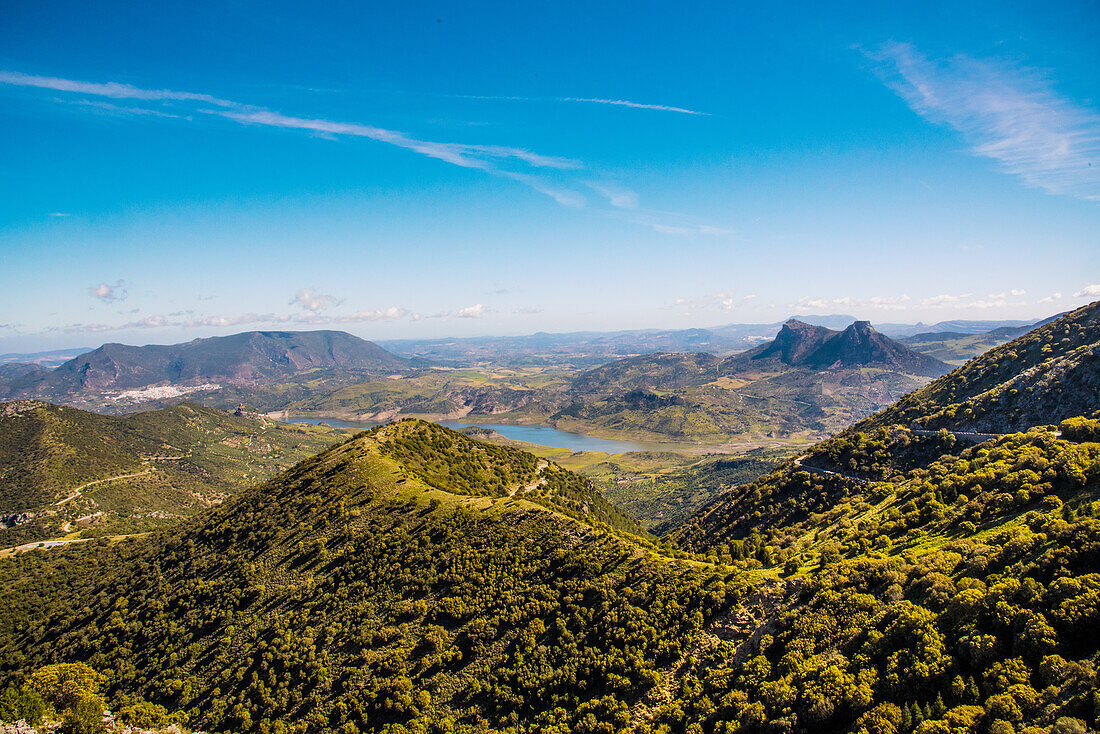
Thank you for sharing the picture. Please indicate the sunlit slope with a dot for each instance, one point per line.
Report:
(60, 464)
(356, 589)
(1042, 377)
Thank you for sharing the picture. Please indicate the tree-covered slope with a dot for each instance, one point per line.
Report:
(355, 593)
(58, 464)
(1042, 377)
(350, 594)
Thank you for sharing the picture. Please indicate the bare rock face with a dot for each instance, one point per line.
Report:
(802, 345)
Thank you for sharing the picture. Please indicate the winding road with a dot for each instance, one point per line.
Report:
(82, 487)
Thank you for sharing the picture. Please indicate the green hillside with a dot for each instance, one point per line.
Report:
(349, 594)
(61, 464)
(887, 581)
(1042, 377)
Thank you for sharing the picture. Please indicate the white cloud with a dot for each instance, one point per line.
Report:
(110, 89)
(390, 314)
(878, 303)
(1018, 292)
(488, 158)
(681, 229)
(526, 311)
(1089, 291)
(1007, 113)
(720, 301)
(1051, 298)
(944, 300)
(635, 105)
(311, 300)
(60, 214)
(471, 312)
(109, 293)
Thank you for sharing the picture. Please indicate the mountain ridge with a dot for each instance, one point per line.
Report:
(252, 357)
(799, 344)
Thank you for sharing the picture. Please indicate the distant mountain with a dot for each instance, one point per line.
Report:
(247, 358)
(50, 358)
(648, 372)
(962, 326)
(1046, 375)
(585, 349)
(803, 345)
(808, 381)
(956, 347)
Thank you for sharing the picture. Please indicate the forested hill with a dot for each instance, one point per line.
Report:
(660, 371)
(59, 464)
(1042, 377)
(980, 558)
(393, 581)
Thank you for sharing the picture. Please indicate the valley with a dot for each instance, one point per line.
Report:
(411, 578)
(550, 368)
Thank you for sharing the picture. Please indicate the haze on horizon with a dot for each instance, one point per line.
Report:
(402, 171)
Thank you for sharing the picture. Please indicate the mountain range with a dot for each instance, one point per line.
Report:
(589, 349)
(888, 580)
(809, 380)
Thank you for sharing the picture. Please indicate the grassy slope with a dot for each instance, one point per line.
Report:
(185, 458)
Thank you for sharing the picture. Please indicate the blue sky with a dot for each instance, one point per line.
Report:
(433, 169)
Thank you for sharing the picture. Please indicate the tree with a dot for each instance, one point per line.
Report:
(85, 717)
(65, 685)
(22, 704)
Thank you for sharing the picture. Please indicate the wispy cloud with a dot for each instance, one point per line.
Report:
(616, 195)
(1089, 291)
(60, 214)
(554, 176)
(493, 159)
(310, 317)
(1012, 298)
(109, 293)
(1008, 113)
(878, 303)
(108, 89)
(584, 100)
(635, 105)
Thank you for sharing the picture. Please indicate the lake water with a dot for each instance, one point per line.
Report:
(539, 435)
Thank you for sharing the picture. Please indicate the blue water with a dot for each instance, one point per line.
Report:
(547, 436)
(539, 435)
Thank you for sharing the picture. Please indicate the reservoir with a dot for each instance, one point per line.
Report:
(539, 435)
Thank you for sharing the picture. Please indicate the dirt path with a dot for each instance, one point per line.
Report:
(81, 488)
(827, 472)
(534, 483)
(57, 543)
